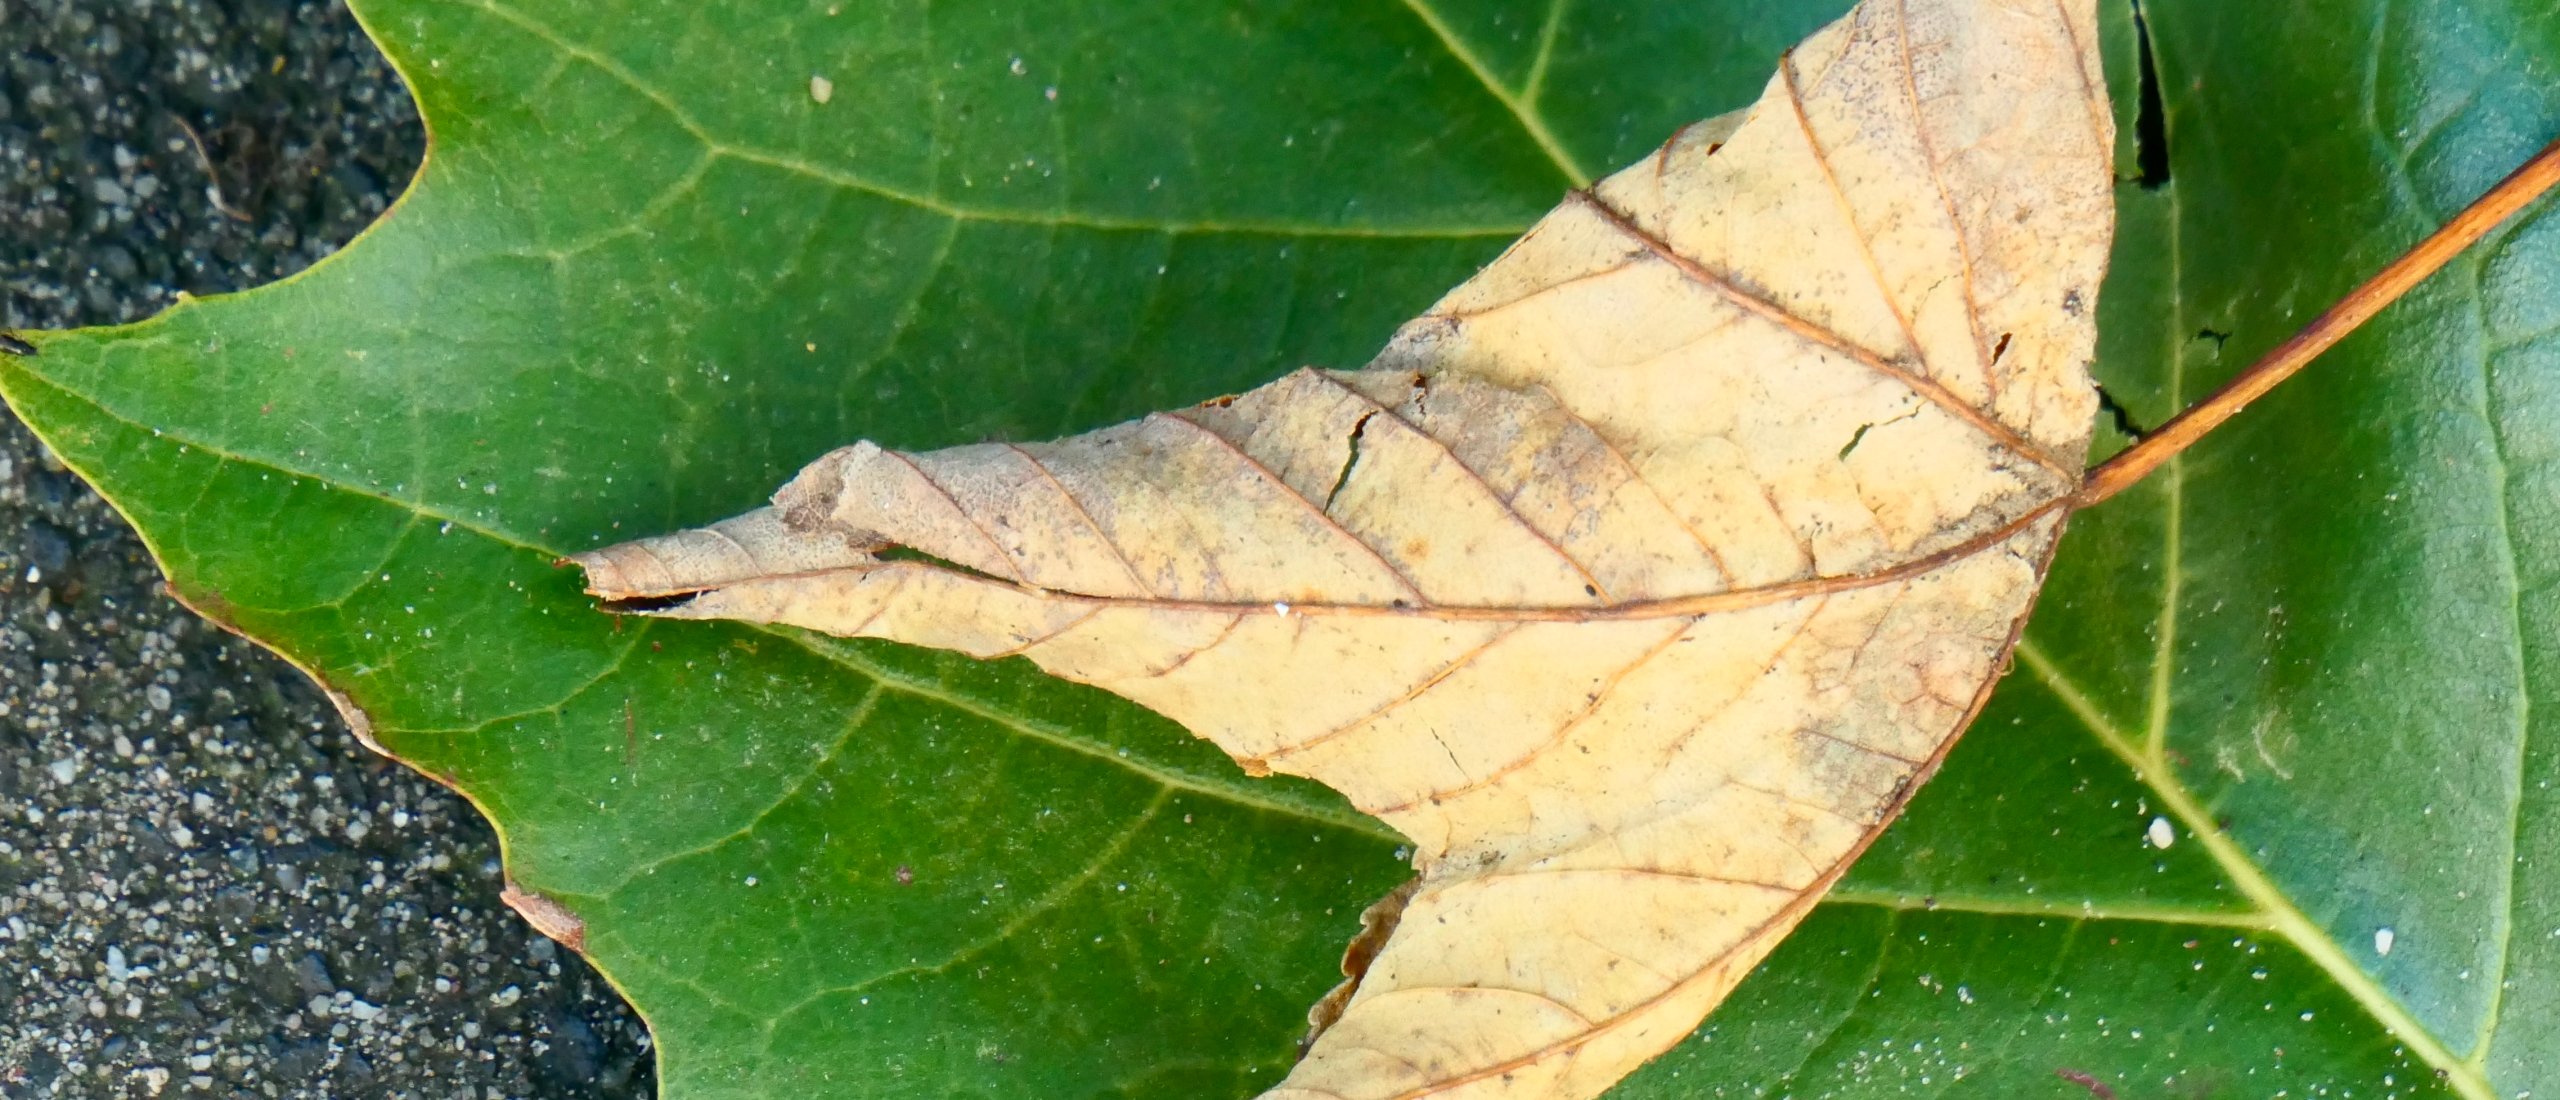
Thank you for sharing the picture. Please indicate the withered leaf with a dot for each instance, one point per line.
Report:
(1639, 582)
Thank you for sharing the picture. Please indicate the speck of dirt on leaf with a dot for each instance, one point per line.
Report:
(821, 89)
(2161, 834)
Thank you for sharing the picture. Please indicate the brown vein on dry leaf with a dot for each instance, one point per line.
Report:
(1194, 652)
(1636, 477)
(1848, 214)
(934, 483)
(1435, 679)
(1765, 309)
(1947, 200)
(1085, 515)
(2101, 124)
(1592, 275)
(1563, 732)
(1034, 643)
(1450, 455)
(1290, 492)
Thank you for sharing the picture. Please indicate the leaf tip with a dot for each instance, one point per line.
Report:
(13, 344)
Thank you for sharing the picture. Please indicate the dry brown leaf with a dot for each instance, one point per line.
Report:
(1639, 582)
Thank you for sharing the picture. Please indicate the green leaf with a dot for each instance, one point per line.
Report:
(647, 273)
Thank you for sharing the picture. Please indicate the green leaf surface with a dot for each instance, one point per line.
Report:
(648, 271)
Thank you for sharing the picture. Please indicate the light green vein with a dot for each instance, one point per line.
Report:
(1047, 903)
(719, 148)
(1536, 83)
(2282, 916)
(2056, 909)
(853, 723)
(1518, 103)
(2501, 481)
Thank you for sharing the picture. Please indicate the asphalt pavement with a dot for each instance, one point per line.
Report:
(207, 886)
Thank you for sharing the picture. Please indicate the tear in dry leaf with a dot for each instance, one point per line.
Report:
(1639, 582)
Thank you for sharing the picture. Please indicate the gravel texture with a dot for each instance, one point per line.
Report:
(207, 887)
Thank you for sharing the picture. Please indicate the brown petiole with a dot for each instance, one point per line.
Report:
(2513, 193)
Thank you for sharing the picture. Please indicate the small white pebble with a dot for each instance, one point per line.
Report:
(507, 996)
(64, 769)
(821, 89)
(2161, 834)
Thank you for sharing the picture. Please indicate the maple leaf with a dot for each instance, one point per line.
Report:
(1639, 582)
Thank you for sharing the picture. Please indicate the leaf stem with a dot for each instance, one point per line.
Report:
(2519, 189)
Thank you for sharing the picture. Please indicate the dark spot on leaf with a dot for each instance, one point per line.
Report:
(2096, 1087)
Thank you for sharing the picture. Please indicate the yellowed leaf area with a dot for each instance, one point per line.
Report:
(1639, 582)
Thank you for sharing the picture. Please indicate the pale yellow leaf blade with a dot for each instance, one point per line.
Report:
(1638, 582)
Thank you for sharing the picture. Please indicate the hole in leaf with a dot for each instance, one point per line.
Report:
(641, 605)
(2123, 417)
(2151, 116)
